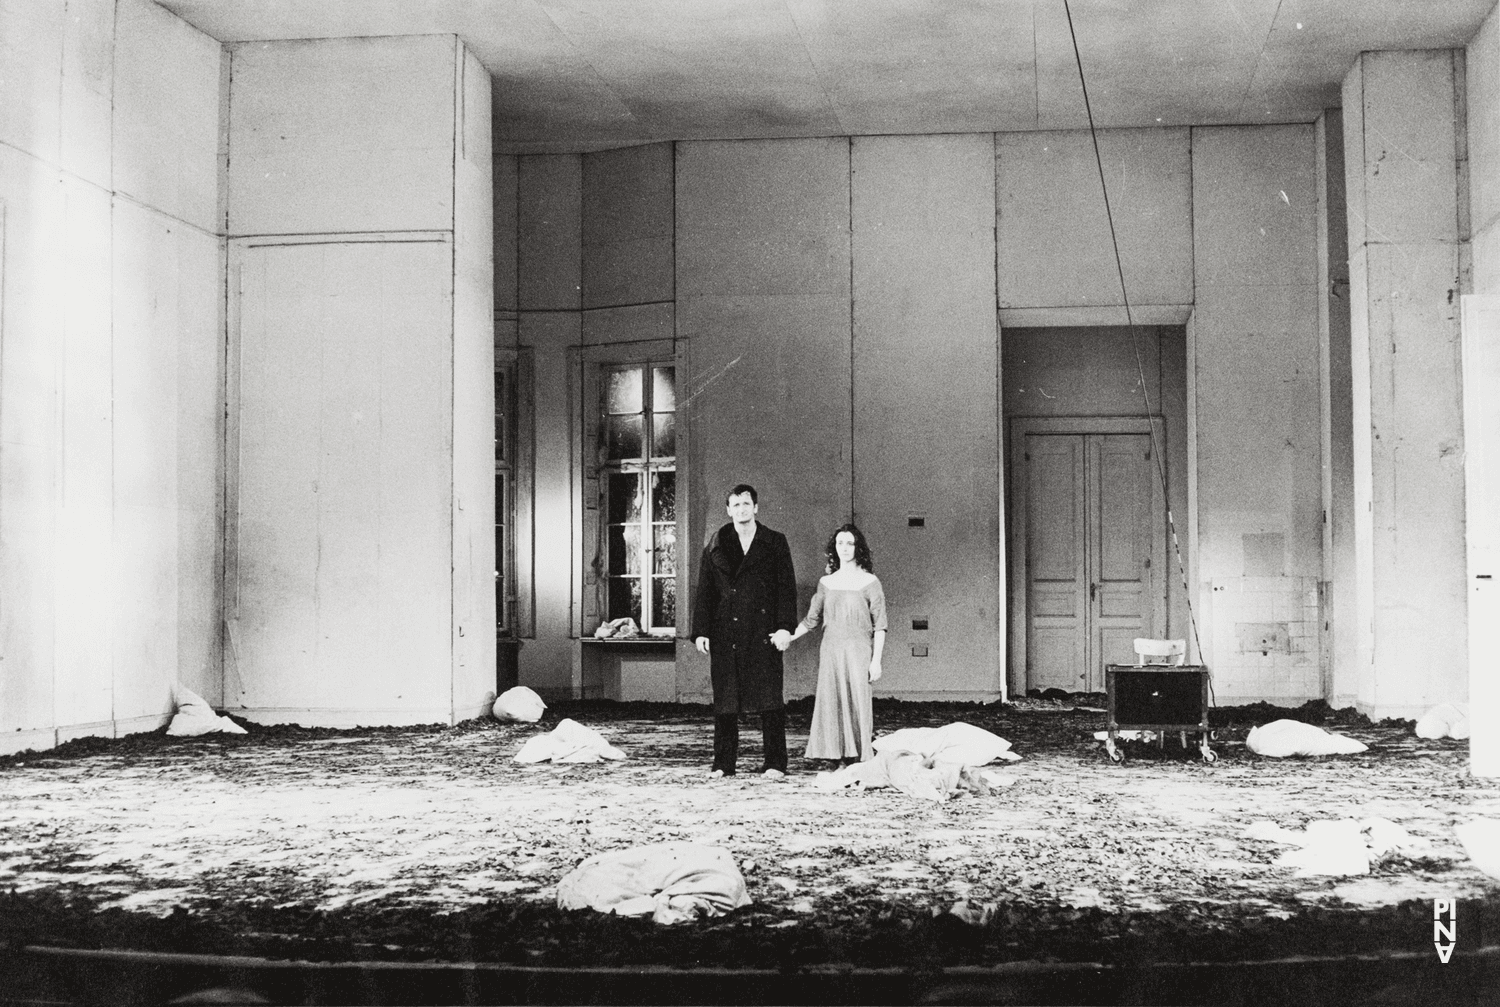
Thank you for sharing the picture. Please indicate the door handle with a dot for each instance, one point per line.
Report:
(1093, 589)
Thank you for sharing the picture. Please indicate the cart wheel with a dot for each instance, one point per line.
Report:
(1209, 755)
(1115, 755)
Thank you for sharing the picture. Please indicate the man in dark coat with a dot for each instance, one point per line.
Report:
(744, 611)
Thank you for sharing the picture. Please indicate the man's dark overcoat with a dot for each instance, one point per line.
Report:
(741, 599)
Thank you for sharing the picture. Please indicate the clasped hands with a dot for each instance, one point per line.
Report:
(780, 639)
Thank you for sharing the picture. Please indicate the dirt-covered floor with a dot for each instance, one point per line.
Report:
(422, 844)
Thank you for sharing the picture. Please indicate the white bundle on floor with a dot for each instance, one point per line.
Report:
(671, 881)
(569, 741)
(194, 716)
(1446, 720)
(1481, 839)
(910, 773)
(957, 743)
(520, 704)
(1281, 738)
(1338, 847)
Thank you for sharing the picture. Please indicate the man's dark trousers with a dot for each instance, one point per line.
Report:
(772, 736)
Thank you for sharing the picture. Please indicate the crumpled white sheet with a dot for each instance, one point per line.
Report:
(569, 741)
(673, 882)
(910, 773)
(617, 627)
(519, 703)
(1338, 847)
(1481, 839)
(194, 716)
(1446, 720)
(1282, 738)
(957, 743)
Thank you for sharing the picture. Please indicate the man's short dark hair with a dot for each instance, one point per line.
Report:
(741, 488)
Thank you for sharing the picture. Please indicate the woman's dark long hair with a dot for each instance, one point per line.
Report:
(861, 549)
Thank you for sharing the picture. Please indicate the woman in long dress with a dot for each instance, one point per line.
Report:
(851, 606)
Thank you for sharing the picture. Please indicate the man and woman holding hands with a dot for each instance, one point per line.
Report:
(745, 616)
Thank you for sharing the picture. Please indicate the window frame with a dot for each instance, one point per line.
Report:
(506, 593)
(645, 466)
(588, 363)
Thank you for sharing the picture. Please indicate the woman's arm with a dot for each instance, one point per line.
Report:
(875, 669)
(814, 616)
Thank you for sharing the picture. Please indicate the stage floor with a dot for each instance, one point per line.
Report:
(371, 843)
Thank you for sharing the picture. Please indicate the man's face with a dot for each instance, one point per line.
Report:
(742, 509)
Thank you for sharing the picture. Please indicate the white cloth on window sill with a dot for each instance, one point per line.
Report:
(194, 716)
(569, 741)
(617, 627)
(673, 882)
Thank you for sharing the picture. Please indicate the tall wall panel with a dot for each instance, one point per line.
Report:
(473, 581)
(549, 264)
(110, 394)
(926, 407)
(360, 564)
(341, 532)
(88, 496)
(1254, 347)
(763, 295)
(1406, 251)
(546, 663)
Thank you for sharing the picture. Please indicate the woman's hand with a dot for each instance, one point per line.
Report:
(875, 670)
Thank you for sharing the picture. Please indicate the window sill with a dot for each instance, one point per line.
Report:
(631, 641)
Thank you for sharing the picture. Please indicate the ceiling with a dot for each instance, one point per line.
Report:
(573, 75)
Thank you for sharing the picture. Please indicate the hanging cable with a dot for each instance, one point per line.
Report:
(1161, 472)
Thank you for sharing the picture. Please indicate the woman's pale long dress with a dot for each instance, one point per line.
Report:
(843, 722)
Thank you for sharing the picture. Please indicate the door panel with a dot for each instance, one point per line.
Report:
(1119, 484)
(1091, 589)
(1057, 563)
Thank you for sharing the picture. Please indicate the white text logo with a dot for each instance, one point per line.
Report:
(1444, 935)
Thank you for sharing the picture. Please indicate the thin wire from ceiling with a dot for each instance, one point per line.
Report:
(1156, 453)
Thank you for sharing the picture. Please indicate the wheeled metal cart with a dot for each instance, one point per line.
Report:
(1159, 698)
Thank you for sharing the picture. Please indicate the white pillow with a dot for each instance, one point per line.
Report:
(1446, 720)
(519, 703)
(1281, 738)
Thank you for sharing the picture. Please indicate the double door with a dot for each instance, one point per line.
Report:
(1088, 522)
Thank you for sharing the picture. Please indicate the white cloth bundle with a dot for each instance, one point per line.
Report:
(1338, 847)
(1281, 738)
(957, 743)
(1481, 839)
(520, 704)
(1446, 720)
(194, 716)
(912, 774)
(671, 881)
(569, 741)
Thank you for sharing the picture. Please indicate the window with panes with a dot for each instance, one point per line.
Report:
(638, 476)
(504, 485)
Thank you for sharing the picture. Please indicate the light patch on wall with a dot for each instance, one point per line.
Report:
(1265, 555)
(1263, 637)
